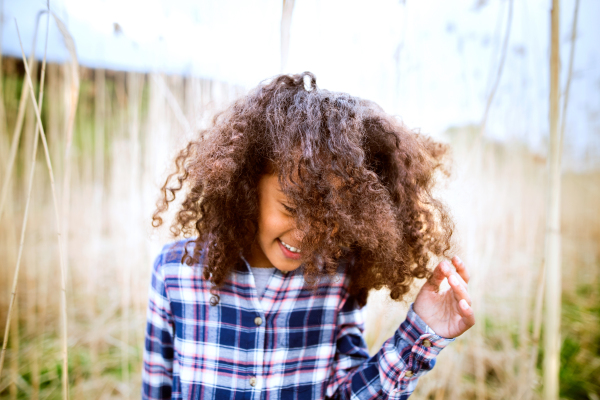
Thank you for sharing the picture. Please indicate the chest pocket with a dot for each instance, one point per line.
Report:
(311, 326)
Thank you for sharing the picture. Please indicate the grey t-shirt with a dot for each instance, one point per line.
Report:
(261, 277)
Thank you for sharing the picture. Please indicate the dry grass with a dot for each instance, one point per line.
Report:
(127, 128)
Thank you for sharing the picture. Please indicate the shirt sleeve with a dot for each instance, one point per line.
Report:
(157, 372)
(393, 372)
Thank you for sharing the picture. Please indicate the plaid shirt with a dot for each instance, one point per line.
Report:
(294, 343)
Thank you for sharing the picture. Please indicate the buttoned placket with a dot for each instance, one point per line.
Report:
(255, 379)
(261, 307)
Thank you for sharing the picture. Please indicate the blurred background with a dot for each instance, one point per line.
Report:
(127, 83)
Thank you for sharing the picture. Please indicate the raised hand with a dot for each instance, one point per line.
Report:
(447, 312)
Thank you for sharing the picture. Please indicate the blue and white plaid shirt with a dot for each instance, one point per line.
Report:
(294, 343)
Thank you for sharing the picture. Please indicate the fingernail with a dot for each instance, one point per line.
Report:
(452, 280)
(458, 260)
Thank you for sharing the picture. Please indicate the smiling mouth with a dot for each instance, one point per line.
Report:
(290, 248)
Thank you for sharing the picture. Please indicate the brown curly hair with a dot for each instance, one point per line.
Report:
(359, 180)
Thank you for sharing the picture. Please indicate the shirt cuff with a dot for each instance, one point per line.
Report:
(412, 353)
(421, 337)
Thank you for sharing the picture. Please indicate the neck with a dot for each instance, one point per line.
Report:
(257, 258)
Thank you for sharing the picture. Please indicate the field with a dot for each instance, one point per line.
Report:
(126, 129)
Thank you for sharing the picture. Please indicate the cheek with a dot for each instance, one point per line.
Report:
(273, 226)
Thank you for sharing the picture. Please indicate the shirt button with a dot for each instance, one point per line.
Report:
(408, 374)
(426, 343)
(258, 321)
(253, 381)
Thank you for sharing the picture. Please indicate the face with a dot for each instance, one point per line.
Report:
(278, 241)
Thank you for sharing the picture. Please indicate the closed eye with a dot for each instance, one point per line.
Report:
(289, 209)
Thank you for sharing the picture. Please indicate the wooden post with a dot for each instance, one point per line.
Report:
(553, 241)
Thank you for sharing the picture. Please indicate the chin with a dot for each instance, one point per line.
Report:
(285, 264)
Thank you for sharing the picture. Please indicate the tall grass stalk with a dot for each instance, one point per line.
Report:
(14, 362)
(31, 303)
(19, 125)
(98, 192)
(503, 52)
(567, 91)
(529, 376)
(35, 369)
(3, 126)
(475, 151)
(73, 98)
(27, 201)
(65, 371)
(552, 254)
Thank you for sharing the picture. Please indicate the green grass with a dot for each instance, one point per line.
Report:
(580, 352)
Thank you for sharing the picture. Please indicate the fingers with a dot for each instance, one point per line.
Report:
(459, 290)
(468, 316)
(440, 272)
(458, 283)
(461, 269)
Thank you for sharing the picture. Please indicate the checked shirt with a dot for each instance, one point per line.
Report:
(294, 343)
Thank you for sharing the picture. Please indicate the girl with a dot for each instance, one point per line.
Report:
(300, 201)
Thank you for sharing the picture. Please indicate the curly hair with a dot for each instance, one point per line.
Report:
(359, 180)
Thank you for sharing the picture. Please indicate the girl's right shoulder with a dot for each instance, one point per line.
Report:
(172, 254)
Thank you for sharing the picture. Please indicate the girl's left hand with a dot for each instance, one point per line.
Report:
(447, 312)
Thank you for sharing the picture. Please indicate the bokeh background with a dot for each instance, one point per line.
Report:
(128, 82)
